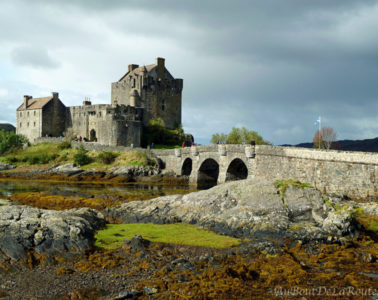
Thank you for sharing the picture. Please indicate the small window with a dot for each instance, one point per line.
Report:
(163, 105)
(28, 114)
(35, 112)
(20, 114)
(20, 124)
(27, 124)
(34, 124)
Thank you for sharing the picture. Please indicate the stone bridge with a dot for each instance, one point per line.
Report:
(209, 165)
(344, 173)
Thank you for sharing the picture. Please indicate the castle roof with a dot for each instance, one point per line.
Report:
(36, 103)
(139, 70)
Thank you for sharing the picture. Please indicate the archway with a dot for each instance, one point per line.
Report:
(208, 174)
(236, 170)
(186, 169)
(92, 135)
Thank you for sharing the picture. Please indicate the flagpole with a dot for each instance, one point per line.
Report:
(320, 128)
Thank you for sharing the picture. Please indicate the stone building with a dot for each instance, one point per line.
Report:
(39, 117)
(142, 94)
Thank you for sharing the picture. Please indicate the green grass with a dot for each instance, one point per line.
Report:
(180, 233)
(49, 153)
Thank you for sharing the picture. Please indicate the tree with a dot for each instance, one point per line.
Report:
(239, 136)
(10, 142)
(219, 138)
(325, 138)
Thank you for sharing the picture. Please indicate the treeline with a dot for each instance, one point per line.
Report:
(239, 136)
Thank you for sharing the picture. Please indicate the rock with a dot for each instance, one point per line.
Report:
(4, 166)
(67, 169)
(246, 208)
(137, 243)
(5, 202)
(150, 290)
(135, 171)
(133, 294)
(24, 228)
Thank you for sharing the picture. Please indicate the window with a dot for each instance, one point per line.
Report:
(163, 105)
(28, 114)
(27, 124)
(20, 114)
(34, 124)
(35, 112)
(20, 124)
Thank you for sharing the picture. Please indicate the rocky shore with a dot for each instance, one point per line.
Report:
(293, 235)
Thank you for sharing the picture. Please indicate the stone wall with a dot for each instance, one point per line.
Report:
(29, 123)
(54, 118)
(92, 146)
(353, 174)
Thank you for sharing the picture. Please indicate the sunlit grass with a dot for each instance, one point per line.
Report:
(180, 234)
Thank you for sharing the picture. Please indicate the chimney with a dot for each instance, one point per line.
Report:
(132, 67)
(160, 67)
(26, 101)
(55, 95)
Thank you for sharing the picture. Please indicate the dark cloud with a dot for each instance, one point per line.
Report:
(272, 66)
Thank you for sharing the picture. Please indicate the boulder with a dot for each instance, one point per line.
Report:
(4, 166)
(246, 208)
(24, 228)
(67, 169)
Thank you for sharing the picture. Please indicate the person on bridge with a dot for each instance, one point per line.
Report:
(183, 144)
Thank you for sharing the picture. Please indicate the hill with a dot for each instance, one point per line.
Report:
(7, 127)
(367, 145)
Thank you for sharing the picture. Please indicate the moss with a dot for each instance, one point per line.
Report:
(330, 204)
(369, 222)
(182, 234)
(283, 185)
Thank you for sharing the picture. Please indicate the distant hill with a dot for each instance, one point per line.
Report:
(7, 127)
(368, 145)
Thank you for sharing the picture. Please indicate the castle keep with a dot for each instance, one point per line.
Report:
(141, 95)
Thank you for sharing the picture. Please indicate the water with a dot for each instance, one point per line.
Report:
(144, 191)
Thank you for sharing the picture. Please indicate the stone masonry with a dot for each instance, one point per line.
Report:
(342, 173)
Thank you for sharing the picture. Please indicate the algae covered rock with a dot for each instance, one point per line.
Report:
(249, 208)
(23, 228)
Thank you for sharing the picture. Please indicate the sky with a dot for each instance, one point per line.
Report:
(272, 66)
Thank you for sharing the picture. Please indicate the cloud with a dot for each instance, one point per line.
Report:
(36, 57)
(273, 66)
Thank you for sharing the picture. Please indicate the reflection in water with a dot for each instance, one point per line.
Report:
(9, 188)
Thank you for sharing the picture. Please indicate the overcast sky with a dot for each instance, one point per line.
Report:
(272, 66)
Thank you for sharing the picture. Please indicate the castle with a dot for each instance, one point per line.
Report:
(143, 94)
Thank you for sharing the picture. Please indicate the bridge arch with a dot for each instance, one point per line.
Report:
(187, 167)
(236, 170)
(208, 174)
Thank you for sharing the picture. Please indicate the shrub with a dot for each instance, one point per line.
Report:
(107, 157)
(9, 141)
(64, 145)
(81, 157)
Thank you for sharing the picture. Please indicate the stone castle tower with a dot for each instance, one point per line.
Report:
(152, 88)
(142, 94)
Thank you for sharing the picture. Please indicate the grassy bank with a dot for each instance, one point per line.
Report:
(50, 154)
